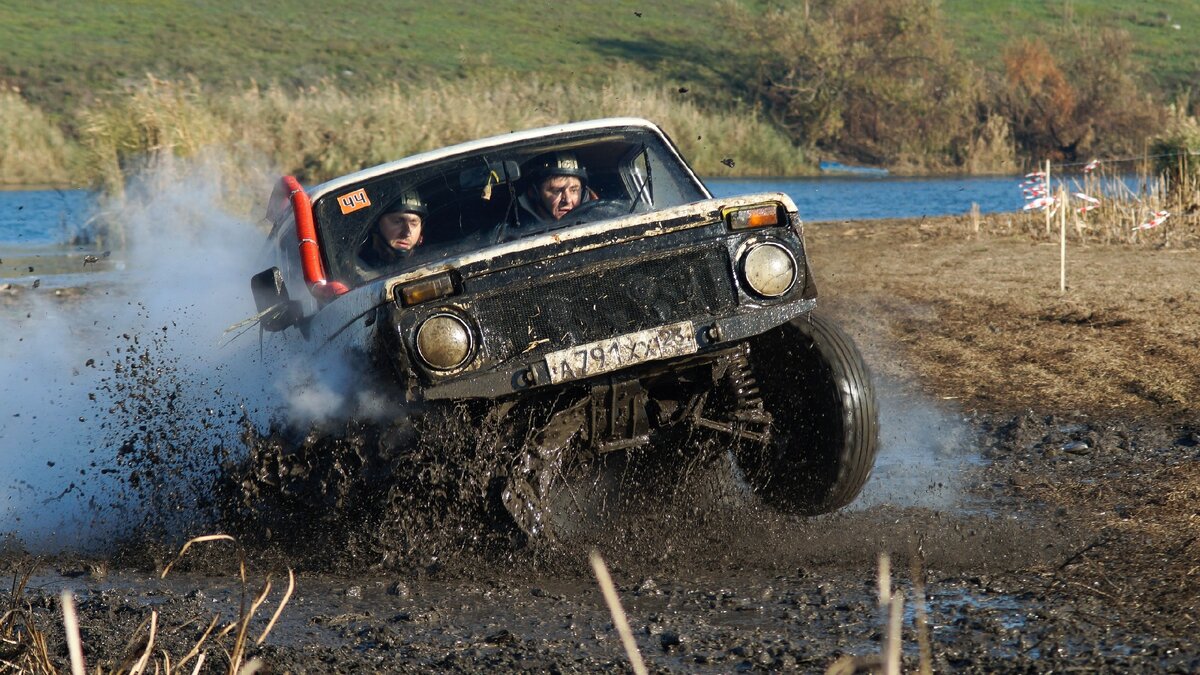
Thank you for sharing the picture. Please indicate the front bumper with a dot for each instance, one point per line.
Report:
(712, 334)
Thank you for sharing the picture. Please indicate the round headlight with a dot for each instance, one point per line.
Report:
(769, 269)
(444, 341)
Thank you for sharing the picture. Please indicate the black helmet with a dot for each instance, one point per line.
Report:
(409, 201)
(555, 164)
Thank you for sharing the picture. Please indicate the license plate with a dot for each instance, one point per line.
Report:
(603, 356)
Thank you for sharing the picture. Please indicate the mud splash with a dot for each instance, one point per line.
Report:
(421, 494)
(927, 450)
(422, 498)
(360, 494)
(122, 398)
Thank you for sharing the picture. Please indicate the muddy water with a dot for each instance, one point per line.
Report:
(400, 567)
(398, 570)
(740, 591)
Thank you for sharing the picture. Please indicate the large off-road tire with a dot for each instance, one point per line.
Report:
(825, 423)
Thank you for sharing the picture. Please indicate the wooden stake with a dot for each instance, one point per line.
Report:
(1062, 240)
(1047, 193)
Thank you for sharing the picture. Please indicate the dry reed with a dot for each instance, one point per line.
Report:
(24, 646)
(71, 626)
(891, 606)
(32, 147)
(618, 613)
(322, 131)
(920, 619)
(1126, 201)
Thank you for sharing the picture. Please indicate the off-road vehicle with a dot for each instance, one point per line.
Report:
(649, 308)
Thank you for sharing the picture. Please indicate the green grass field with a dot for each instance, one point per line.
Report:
(61, 52)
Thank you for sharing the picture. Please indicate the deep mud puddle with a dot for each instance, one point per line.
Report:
(711, 582)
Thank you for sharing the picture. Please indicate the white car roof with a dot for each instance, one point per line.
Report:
(337, 184)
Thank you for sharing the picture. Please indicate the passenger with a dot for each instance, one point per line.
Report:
(397, 231)
(557, 185)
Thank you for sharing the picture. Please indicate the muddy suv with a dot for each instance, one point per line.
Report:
(634, 312)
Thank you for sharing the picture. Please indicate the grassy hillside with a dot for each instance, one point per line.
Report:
(61, 52)
(64, 49)
(88, 88)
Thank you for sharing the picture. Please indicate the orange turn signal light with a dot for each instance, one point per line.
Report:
(762, 215)
(429, 288)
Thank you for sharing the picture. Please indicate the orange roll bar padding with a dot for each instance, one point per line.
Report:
(310, 250)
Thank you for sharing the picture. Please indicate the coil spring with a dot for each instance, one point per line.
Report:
(748, 403)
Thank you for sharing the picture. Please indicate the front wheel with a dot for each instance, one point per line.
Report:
(825, 423)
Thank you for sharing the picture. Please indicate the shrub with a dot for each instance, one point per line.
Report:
(1088, 102)
(875, 80)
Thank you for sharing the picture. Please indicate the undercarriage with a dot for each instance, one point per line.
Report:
(804, 437)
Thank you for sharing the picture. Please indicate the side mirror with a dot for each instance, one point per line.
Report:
(276, 309)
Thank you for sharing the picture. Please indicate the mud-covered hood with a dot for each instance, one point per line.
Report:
(583, 237)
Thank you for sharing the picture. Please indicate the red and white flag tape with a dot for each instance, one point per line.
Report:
(1040, 203)
(1155, 220)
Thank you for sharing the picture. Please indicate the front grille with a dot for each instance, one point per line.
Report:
(590, 305)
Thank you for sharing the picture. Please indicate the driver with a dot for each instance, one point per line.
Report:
(558, 184)
(397, 231)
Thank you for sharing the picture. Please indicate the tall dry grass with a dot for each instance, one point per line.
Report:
(1116, 221)
(324, 131)
(33, 148)
(28, 644)
(1176, 154)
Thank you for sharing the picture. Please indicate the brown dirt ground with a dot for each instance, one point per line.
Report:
(981, 319)
(1079, 552)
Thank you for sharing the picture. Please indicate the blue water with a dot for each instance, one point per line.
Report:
(37, 218)
(829, 198)
(837, 198)
(34, 218)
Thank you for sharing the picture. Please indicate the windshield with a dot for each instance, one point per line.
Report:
(434, 211)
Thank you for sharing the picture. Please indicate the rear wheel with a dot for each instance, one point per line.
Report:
(825, 425)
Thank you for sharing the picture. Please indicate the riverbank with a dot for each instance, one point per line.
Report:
(1060, 429)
